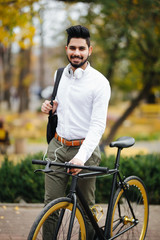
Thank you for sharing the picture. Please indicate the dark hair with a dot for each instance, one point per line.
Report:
(78, 32)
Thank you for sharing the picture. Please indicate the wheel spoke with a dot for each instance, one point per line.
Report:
(59, 213)
(122, 218)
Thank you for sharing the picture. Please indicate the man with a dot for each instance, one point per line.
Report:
(81, 105)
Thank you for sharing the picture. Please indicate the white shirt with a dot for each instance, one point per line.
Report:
(82, 98)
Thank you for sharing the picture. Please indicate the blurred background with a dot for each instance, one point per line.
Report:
(126, 48)
(125, 36)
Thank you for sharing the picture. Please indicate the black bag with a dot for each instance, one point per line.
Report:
(52, 118)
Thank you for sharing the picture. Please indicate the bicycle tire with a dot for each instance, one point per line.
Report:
(137, 194)
(78, 232)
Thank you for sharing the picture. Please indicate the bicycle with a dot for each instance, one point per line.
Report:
(128, 209)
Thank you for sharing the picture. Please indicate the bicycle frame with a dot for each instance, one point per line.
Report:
(74, 190)
(115, 172)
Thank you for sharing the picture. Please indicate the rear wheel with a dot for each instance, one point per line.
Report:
(122, 218)
(54, 220)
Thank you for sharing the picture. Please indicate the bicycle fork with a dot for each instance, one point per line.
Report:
(72, 195)
(124, 219)
(73, 212)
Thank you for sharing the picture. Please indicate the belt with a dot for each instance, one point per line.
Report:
(67, 142)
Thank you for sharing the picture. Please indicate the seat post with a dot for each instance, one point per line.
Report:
(118, 158)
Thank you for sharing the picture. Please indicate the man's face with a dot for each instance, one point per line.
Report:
(78, 52)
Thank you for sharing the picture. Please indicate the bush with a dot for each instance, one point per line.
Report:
(147, 167)
(20, 182)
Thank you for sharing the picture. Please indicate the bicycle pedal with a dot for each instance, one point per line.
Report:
(97, 210)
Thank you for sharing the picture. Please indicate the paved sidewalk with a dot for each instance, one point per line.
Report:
(16, 220)
(140, 146)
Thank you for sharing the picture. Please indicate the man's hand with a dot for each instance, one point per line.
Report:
(46, 107)
(75, 161)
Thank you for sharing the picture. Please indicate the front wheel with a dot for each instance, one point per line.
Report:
(53, 222)
(122, 219)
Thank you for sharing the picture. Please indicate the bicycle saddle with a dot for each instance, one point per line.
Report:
(123, 142)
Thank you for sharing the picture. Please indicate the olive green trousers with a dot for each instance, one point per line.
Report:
(56, 183)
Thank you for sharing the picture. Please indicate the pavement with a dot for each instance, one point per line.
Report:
(16, 221)
(146, 147)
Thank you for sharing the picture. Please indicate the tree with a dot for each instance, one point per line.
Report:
(128, 30)
(25, 78)
(15, 14)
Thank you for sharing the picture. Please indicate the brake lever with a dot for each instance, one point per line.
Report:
(46, 170)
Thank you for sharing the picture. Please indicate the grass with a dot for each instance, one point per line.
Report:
(141, 127)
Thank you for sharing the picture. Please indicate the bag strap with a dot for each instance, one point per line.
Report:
(58, 78)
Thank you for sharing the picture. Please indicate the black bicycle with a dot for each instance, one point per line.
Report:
(128, 208)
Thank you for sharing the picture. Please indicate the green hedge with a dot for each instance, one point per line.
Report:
(147, 167)
(20, 181)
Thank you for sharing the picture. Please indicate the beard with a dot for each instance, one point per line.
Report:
(77, 65)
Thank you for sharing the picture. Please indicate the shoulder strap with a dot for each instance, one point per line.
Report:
(58, 77)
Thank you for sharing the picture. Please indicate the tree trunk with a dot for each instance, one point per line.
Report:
(7, 74)
(134, 103)
(1, 73)
(23, 90)
(41, 59)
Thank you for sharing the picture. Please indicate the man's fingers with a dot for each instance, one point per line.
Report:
(46, 107)
(55, 104)
(74, 171)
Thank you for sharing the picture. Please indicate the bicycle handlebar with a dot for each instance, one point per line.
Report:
(69, 165)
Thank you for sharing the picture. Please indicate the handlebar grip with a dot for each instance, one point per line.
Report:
(40, 162)
(101, 169)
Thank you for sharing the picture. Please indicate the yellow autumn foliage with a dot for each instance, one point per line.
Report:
(25, 37)
(13, 17)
